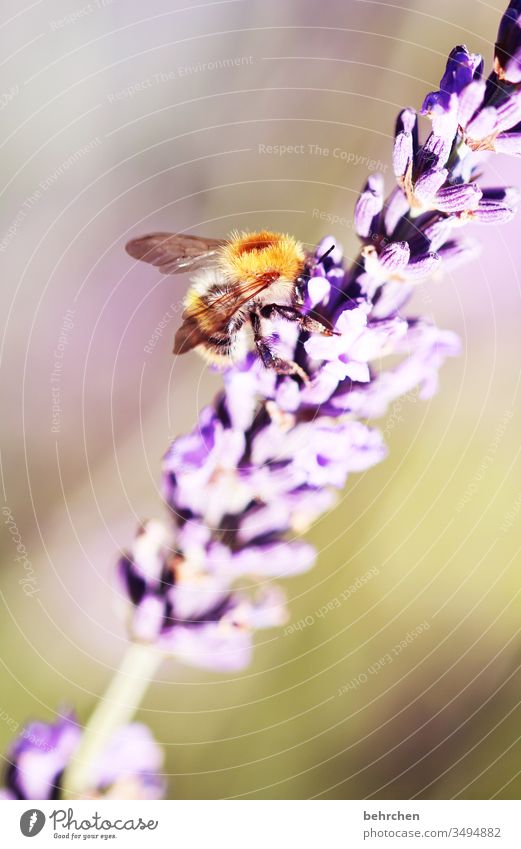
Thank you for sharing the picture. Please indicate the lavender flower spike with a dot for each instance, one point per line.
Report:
(263, 463)
(266, 457)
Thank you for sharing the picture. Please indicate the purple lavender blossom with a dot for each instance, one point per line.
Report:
(483, 114)
(359, 340)
(126, 769)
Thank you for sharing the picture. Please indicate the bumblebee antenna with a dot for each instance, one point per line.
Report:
(329, 250)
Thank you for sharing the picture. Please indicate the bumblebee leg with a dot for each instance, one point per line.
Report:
(268, 356)
(307, 322)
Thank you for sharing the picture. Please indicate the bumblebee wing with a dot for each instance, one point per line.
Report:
(174, 253)
(205, 318)
(189, 336)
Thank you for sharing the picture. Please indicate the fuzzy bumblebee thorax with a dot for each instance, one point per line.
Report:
(249, 255)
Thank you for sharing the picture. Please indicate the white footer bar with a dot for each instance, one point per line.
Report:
(263, 824)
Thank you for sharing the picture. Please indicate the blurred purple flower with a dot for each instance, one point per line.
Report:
(126, 769)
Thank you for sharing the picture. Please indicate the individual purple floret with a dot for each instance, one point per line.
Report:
(462, 88)
(126, 769)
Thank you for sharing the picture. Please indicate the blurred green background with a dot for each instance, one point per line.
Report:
(118, 119)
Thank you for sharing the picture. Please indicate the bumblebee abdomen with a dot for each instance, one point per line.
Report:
(223, 348)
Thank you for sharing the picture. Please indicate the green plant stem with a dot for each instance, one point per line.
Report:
(115, 708)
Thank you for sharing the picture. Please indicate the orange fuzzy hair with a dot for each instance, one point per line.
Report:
(249, 255)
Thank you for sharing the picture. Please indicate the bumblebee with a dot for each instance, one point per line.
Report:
(238, 284)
